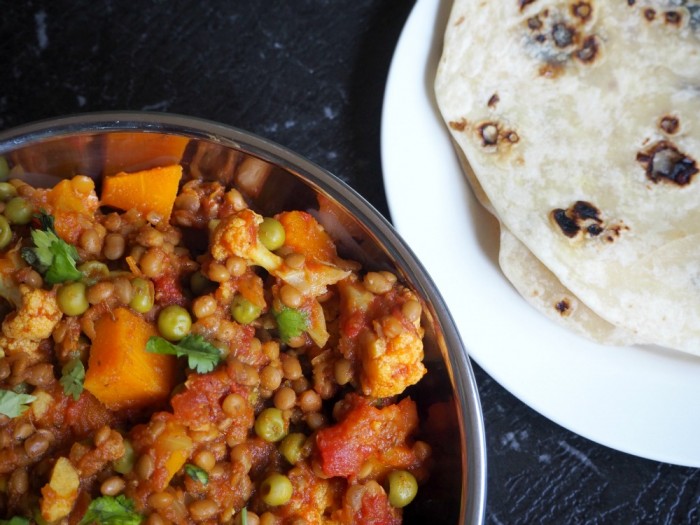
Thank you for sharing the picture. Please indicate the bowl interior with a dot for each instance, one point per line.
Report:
(275, 179)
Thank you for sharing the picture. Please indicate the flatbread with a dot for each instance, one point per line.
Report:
(541, 288)
(580, 121)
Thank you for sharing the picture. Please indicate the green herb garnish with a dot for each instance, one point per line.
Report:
(73, 375)
(202, 356)
(197, 473)
(53, 257)
(291, 323)
(13, 404)
(16, 520)
(108, 510)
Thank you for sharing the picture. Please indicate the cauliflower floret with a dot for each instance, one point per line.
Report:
(36, 315)
(383, 335)
(391, 356)
(19, 346)
(238, 235)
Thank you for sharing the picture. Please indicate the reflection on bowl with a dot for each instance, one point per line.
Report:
(274, 179)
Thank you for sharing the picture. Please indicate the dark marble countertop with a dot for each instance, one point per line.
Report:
(310, 75)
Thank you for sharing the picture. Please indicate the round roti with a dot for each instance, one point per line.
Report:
(580, 121)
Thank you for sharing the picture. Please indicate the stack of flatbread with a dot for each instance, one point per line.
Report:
(578, 126)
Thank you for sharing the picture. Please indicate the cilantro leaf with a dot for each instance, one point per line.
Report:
(51, 255)
(16, 520)
(73, 375)
(197, 473)
(13, 404)
(291, 323)
(202, 356)
(108, 510)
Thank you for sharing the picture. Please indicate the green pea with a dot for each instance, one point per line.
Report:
(94, 270)
(270, 425)
(18, 211)
(4, 169)
(276, 489)
(7, 191)
(142, 300)
(174, 322)
(5, 232)
(403, 487)
(292, 447)
(271, 233)
(125, 464)
(72, 298)
(200, 285)
(243, 311)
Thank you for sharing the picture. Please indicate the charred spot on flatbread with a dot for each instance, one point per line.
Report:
(492, 134)
(650, 14)
(663, 161)
(584, 220)
(669, 124)
(524, 3)
(458, 125)
(673, 18)
(558, 37)
(582, 10)
(563, 307)
(493, 100)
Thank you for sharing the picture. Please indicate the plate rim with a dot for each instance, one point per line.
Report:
(419, 43)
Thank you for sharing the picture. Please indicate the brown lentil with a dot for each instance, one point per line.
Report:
(290, 296)
(151, 262)
(234, 405)
(18, 482)
(90, 241)
(149, 237)
(23, 431)
(236, 266)
(300, 385)
(100, 291)
(342, 371)
(285, 398)
(310, 401)
(377, 283)
(203, 509)
(33, 279)
(412, 310)
(37, 444)
(112, 486)
(113, 222)
(204, 459)
(123, 290)
(40, 375)
(291, 368)
(113, 246)
(102, 435)
(160, 500)
(270, 377)
(155, 519)
(188, 202)
(4, 369)
(218, 273)
(204, 306)
(145, 466)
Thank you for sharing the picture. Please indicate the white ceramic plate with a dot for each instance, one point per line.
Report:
(643, 401)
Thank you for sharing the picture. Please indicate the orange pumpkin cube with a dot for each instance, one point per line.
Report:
(153, 190)
(121, 373)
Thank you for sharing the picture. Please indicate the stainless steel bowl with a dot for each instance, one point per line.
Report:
(66, 146)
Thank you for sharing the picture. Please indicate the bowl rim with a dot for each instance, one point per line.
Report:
(474, 464)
